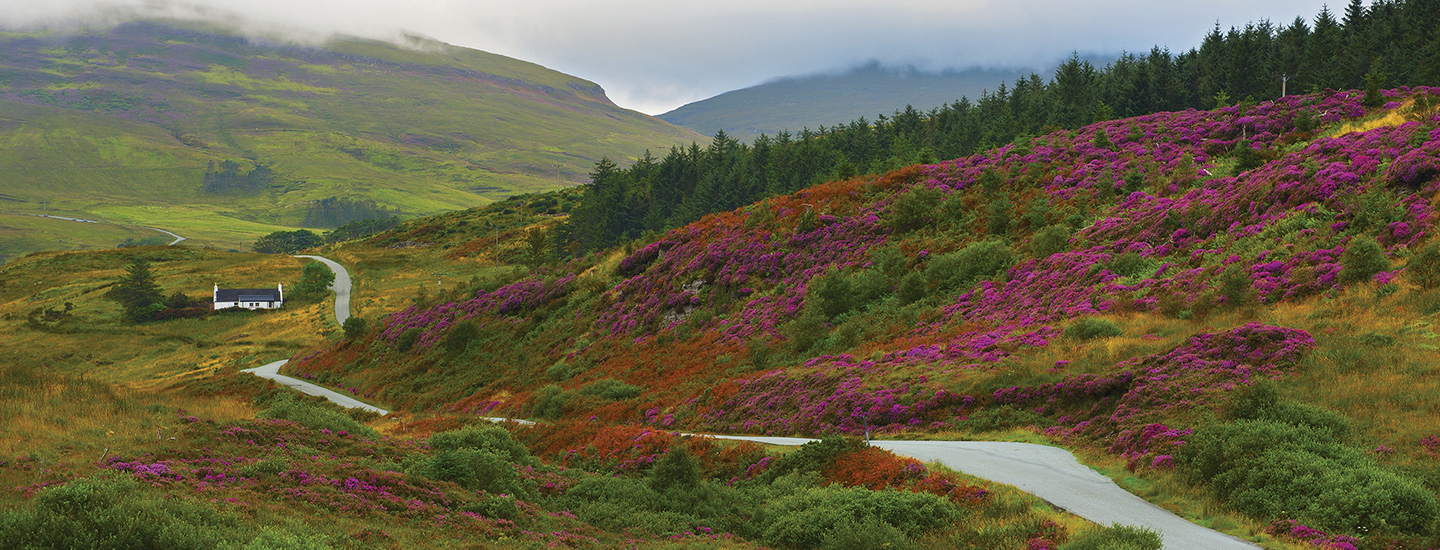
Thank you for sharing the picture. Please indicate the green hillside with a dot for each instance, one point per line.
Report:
(113, 123)
(830, 99)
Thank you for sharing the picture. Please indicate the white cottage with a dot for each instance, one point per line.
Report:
(250, 298)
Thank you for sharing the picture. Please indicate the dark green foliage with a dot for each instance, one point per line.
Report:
(338, 211)
(1090, 328)
(1362, 259)
(1374, 85)
(995, 419)
(274, 538)
(460, 336)
(837, 292)
(1128, 264)
(1247, 157)
(808, 517)
(914, 209)
(226, 179)
(971, 264)
(550, 402)
(474, 469)
(486, 438)
(315, 279)
(676, 470)
(286, 242)
(178, 300)
(114, 514)
(1116, 537)
(406, 340)
(494, 506)
(868, 533)
(1261, 401)
(537, 247)
(1236, 287)
(1053, 239)
(360, 228)
(315, 417)
(999, 216)
(1268, 469)
(354, 327)
(810, 457)
(911, 288)
(807, 329)
(137, 292)
(1424, 267)
(560, 372)
(610, 389)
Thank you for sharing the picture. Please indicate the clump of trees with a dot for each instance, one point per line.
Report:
(142, 301)
(338, 211)
(287, 242)
(226, 178)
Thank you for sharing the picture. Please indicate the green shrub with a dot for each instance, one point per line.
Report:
(1268, 469)
(1116, 537)
(460, 336)
(1424, 267)
(315, 417)
(1261, 401)
(913, 209)
(354, 328)
(475, 469)
(1128, 264)
(550, 402)
(1053, 239)
(866, 534)
(494, 506)
(1362, 259)
(999, 216)
(488, 438)
(976, 261)
(911, 288)
(560, 372)
(406, 341)
(1236, 287)
(610, 389)
(810, 457)
(807, 518)
(1090, 328)
(113, 512)
(676, 470)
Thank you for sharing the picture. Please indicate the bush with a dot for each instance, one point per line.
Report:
(913, 209)
(911, 288)
(460, 336)
(1261, 401)
(315, 417)
(1424, 267)
(1269, 469)
(354, 328)
(974, 262)
(550, 402)
(1053, 239)
(1090, 328)
(809, 517)
(866, 534)
(611, 389)
(494, 506)
(1235, 286)
(1128, 264)
(676, 470)
(810, 457)
(488, 438)
(1116, 537)
(475, 469)
(113, 512)
(406, 341)
(560, 372)
(272, 538)
(1362, 259)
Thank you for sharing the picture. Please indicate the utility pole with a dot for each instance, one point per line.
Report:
(439, 277)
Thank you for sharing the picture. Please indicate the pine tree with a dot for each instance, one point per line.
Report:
(137, 292)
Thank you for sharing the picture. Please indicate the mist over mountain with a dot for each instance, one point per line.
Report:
(794, 103)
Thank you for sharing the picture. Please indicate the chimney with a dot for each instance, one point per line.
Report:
(281, 286)
(216, 296)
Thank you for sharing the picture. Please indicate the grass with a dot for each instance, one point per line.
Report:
(458, 128)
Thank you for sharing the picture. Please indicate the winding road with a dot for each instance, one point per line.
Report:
(271, 371)
(1051, 473)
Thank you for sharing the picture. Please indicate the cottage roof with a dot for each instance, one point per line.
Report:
(247, 295)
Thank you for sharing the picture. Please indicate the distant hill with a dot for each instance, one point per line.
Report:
(164, 124)
(829, 99)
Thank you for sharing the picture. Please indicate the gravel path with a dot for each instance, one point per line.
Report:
(272, 371)
(341, 286)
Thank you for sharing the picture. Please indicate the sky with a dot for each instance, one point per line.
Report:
(656, 55)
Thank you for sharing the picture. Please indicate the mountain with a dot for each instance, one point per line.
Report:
(828, 99)
(164, 124)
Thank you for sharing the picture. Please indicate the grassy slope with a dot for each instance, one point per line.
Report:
(108, 122)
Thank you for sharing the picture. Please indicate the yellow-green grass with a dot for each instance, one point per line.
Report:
(20, 234)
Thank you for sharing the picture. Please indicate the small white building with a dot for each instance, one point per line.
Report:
(249, 298)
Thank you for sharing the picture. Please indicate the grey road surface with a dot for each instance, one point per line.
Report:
(172, 243)
(1053, 474)
(341, 286)
(272, 371)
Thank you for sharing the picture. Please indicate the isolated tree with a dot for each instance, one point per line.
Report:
(355, 328)
(315, 278)
(537, 246)
(137, 292)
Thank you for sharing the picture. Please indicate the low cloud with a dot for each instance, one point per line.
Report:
(654, 55)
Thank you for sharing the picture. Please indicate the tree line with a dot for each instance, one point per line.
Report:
(1388, 43)
(226, 178)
